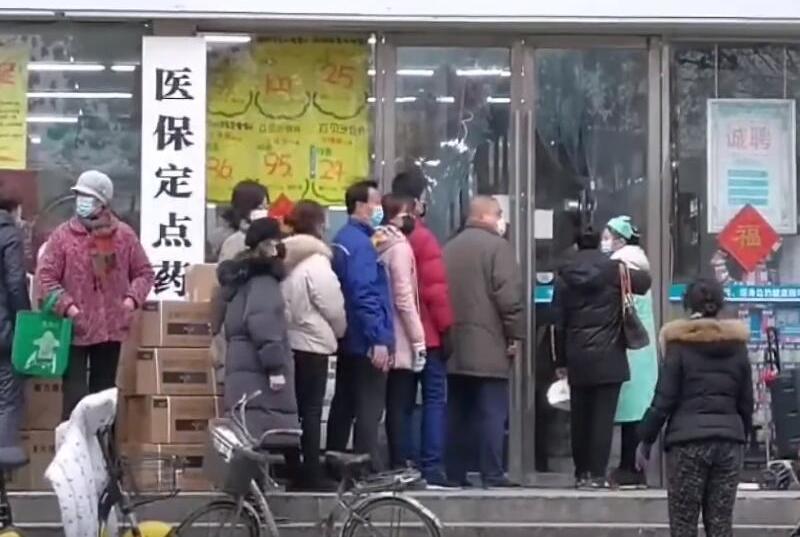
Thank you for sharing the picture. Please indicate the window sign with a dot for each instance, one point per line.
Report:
(751, 161)
(173, 158)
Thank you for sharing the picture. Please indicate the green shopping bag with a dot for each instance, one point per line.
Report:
(41, 341)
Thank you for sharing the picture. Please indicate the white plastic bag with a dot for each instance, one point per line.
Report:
(558, 395)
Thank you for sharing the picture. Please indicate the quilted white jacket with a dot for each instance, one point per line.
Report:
(314, 303)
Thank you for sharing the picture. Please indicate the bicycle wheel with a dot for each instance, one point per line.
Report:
(391, 516)
(221, 518)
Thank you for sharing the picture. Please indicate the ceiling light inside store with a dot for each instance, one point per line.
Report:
(48, 66)
(498, 100)
(79, 95)
(227, 38)
(123, 68)
(405, 100)
(483, 72)
(35, 139)
(52, 119)
(446, 100)
(415, 72)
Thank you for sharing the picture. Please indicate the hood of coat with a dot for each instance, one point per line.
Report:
(7, 219)
(237, 272)
(633, 256)
(301, 247)
(387, 236)
(585, 270)
(714, 335)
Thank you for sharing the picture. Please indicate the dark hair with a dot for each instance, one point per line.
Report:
(636, 238)
(307, 217)
(10, 198)
(394, 204)
(411, 183)
(704, 296)
(247, 196)
(358, 192)
(588, 238)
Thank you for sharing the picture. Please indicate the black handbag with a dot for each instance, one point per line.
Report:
(633, 330)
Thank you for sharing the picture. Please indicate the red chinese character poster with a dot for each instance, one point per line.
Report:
(749, 238)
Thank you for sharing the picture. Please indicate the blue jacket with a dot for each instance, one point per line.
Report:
(365, 287)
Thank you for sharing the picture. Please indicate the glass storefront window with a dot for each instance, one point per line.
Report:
(452, 117)
(83, 109)
(293, 113)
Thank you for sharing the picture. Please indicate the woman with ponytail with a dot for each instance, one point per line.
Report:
(705, 397)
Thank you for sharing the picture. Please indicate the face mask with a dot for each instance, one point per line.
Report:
(377, 216)
(407, 227)
(258, 214)
(607, 246)
(502, 226)
(85, 206)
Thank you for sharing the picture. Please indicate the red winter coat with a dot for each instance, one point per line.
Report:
(437, 313)
(66, 266)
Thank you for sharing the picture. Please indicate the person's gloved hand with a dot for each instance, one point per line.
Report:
(643, 456)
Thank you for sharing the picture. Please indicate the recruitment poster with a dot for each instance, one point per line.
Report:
(291, 114)
(13, 107)
(751, 161)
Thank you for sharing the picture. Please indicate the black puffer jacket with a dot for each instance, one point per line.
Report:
(588, 309)
(257, 344)
(705, 387)
(13, 280)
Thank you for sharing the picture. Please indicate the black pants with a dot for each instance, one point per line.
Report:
(401, 390)
(310, 379)
(91, 369)
(703, 476)
(477, 410)
(628, 444)
(592, 409)
(544, 416)
(360, 397)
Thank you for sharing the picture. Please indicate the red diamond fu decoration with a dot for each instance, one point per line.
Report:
(749, 238)
(281, 207)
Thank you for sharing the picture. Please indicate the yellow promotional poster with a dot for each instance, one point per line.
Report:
(13, 108)
(291, 114)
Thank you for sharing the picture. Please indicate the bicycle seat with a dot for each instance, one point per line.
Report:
(12, 458)
(346, 461)
(278, 439)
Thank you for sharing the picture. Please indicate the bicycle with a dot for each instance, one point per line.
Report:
(237, 464)
(10, 459)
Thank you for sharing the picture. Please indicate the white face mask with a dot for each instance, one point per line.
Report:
(502, 226)
(258, 214)
(607, 246)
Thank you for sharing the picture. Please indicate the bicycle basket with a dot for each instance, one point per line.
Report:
(151, 475)
(230, 463)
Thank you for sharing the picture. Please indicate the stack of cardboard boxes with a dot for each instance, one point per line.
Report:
(169, 389)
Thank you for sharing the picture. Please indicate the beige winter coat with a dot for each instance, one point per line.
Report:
(395, 252)
(314, 303)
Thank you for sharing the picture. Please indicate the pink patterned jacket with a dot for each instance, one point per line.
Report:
(66, 266)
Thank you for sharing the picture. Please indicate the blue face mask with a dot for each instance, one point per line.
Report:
(377, 216)
(85, 206)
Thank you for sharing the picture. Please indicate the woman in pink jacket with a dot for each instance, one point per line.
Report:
(102, 276)
(395, 253)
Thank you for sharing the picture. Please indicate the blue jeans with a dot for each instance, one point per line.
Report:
(434, 412)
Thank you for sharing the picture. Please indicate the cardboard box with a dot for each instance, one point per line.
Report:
(41, 448)
(175, 372)
(176, 324)
(43, 404)
(152, 475)
(201, 281)
(170, 419)
(126, 370)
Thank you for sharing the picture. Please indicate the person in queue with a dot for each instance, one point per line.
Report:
(395, 253)
(486, 290)
(13, 299)
(258, 354)
(249, 202)
(316, 320)
(102, 275)
(620, 240)
(364, 357)
(437, 319)
(705, 396)
(591, 352)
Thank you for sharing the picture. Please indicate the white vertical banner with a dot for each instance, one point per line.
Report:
(173, 186)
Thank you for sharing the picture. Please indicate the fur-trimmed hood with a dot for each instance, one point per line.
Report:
(300, 247)
(704, 331)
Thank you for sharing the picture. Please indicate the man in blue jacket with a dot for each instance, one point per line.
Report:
(364, 355)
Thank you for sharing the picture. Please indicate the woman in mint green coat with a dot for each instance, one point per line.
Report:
(621, 241)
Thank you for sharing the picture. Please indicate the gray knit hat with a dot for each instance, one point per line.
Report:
(95, 184)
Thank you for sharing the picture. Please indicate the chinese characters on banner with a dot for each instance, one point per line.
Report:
(751, 161)
(13, 108)
(290, 113)
(173, 158)
(749, 238)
